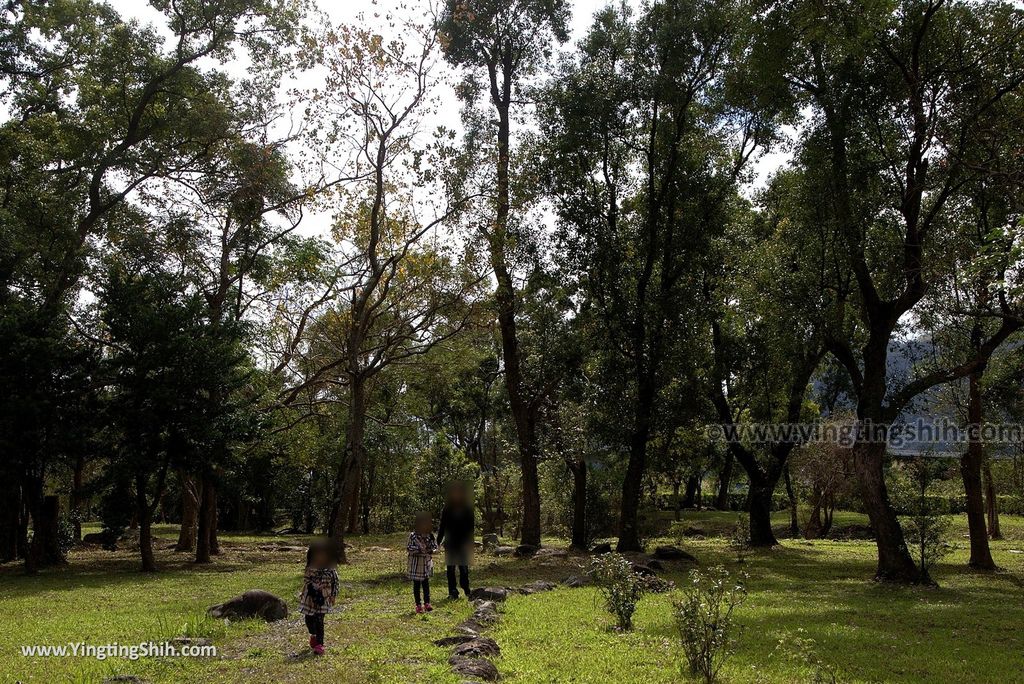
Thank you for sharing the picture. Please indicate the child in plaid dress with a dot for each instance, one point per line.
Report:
(421, 547)
(319, 590)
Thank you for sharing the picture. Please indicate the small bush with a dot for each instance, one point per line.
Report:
(704, 617)
(620, 586)
(740, 539)
(803, 651)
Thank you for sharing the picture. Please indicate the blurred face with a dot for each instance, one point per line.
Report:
(457, 495)
(424, 525)
(321, 558)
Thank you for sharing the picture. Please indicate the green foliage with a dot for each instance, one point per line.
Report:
(925, 524)
(803, 650)
(704, 618)
(621, 588)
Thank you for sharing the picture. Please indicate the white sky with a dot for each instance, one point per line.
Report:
(349, 11)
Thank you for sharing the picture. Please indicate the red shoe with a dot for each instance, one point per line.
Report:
(312, 641)
(427, 607)
(318, 649)
(419, 609)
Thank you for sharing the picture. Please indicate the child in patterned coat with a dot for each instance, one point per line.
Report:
(319, 590)
(421, 547)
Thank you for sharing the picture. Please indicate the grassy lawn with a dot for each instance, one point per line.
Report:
(967, 630)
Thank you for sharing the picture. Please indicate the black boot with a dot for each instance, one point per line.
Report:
(453, 592)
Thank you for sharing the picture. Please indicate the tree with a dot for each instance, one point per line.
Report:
(900, 94)
(508, 40)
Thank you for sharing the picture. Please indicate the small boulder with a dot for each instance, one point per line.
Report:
(643, 570)
(474, 667)
(504, 550)
(124, 679)
(489, 593)
(526, 550)
(601, 548)
(691, 531)
(478, 648)
(454, 640)
(191, 641)
(655, 564)
(549, 552)
(490, 541)
(672, 553)
(536, 587)
(255, 603)
(575, 581)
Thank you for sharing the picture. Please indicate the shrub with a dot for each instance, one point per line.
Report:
(925, 525)
(619, 585)
(804, 651)
(740, 539)
(704, 617)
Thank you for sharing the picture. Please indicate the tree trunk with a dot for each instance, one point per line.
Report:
(970, 470)
(690, 498)
(10, 523)
(346, 483)
(579, 505)
(677, 503)
(145, 515)
(206, 529)
(77, 498)
(189, 514)
(629, 532)
(894, 561)
(724, 479)
(45, 549)
(794, 522)
(991, 503)
(759, 502)
(352, 527)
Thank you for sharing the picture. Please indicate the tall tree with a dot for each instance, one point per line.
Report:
(507, 39)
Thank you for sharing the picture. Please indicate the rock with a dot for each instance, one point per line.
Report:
(191, 641)
(282, 548)
(469, 628)
(656, 585)
(655, 564)
(601, 548)
(485, 614)
(290, 530)
(504, 550)
(551, 553)
(643, 570)
(490, 541)
(454, 640)
(575, 581)
(124, 679)
(672, 553)
(474, 667)
(526, 550)
(691, 531)
(489, 593)
(377, 549)
(535, 587)
(477, 648)
(252, 604)
(862, 532)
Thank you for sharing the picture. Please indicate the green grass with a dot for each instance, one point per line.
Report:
(966, 630)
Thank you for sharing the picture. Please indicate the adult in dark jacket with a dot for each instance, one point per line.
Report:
(456, 532)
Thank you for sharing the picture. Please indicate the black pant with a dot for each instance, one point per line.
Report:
(463, 580)
(315, 625)
(425, 584)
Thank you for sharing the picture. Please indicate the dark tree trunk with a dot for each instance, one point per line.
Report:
(45, 549)
(77, 498)
(724, 479)
(346, 483)
(579, 505)
(144, 513)
(189, 514)
(794, 521)
(10, 523)
(894, 561)
(677, 502)
(353, 512)
(206, 528)
(629, 532)
(970, 469)
(991, 503)
(690, 498)
(759, 501)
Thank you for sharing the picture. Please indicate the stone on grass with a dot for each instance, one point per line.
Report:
(478, 648)
(191, 641)
(490, 541)
(454, 640)
(489, 593)
(549, 552)
(526, 550)
(504, 550)
(601, 548)
(474, 667)
(254, 603)
(124, 679)
(576, 581)
(643, 570)
(655, 564)
(673, 553)
(535, 587)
